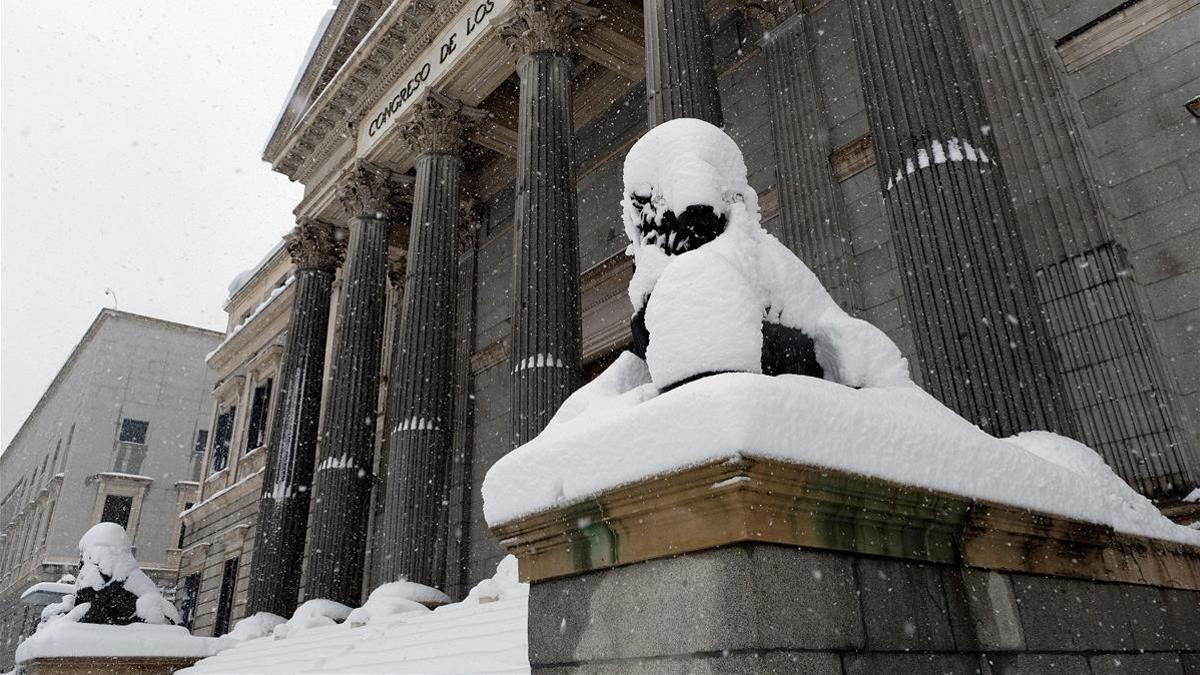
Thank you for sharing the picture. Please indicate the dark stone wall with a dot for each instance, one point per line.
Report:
(779, 609)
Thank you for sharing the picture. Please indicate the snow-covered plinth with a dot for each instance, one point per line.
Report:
(901, 435)
(67, 639)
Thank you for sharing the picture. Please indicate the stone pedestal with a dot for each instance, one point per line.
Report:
(761, 566)
(90, 665)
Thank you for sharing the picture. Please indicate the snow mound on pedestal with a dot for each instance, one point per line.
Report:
(898, 434)
(397, 597)
(485, 633)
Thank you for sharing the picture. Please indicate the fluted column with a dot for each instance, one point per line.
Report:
(341, 506)
(419, 430)
(978, 329)
(1131, 421)
(815, 223)
(291, 451)
(546, 350)
(681, 80)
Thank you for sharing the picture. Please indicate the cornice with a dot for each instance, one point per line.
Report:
(402, 32)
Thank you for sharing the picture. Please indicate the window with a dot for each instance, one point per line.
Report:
(116, 510)
(191, 593)
(134, 431)
(183, 526)
(225, 603)
(256, 430)
(222, 439)
(201, 441)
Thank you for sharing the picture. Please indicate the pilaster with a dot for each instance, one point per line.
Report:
(816, 225)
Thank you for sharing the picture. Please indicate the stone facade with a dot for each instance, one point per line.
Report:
(1109, 267)
(83, 455)
(776, 609)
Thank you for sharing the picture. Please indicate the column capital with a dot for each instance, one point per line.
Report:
(365, 189)
(314, 245)
(544, 25)
(771, 13)
(440, 124)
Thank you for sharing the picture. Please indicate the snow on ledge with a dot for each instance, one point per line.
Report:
(897, 434)
(66, 638)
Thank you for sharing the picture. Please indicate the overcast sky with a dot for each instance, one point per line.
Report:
(131, 161)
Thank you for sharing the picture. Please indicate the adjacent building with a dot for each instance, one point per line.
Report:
(118, 436)
(1019, 216)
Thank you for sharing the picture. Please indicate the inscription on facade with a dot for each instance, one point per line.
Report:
(464, 30)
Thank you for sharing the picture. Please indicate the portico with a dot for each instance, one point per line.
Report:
(408, 111)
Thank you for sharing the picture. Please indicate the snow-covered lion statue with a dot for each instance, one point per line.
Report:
(712, 291)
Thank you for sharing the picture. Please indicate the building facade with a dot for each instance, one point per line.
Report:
(118, 436)
(1020, 220)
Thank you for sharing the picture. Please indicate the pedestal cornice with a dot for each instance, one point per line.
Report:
(760, 500)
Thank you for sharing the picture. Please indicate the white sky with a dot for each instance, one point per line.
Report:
(131, 160)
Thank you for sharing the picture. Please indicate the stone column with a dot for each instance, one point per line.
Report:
(341, 506)
(680, 78)
(291, 453)
(816, 225)
(978, 329)
(546, 349)
(418, 445)
(1078, 261)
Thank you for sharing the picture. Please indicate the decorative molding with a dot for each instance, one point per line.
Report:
(852, 158)
(367, 190)
(1117, 28)
(544, 25)
(491, 356)
(313, 244)
(771, 13)
(762, 500)
(440, 124)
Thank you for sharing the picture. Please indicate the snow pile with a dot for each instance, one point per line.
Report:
(261, 624)
(705, 301)
(312, 614)
(1192, 497)
(709, 278)
(397, 597)
(485, 633)
(65, 639)
(899, 434)
(110, 587)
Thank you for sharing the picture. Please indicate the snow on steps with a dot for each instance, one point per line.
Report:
(477, 635)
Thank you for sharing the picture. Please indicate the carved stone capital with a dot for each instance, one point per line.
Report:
(544, 25)
(440, 124)
(369, 190)
(314, 245)
(771, 13)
